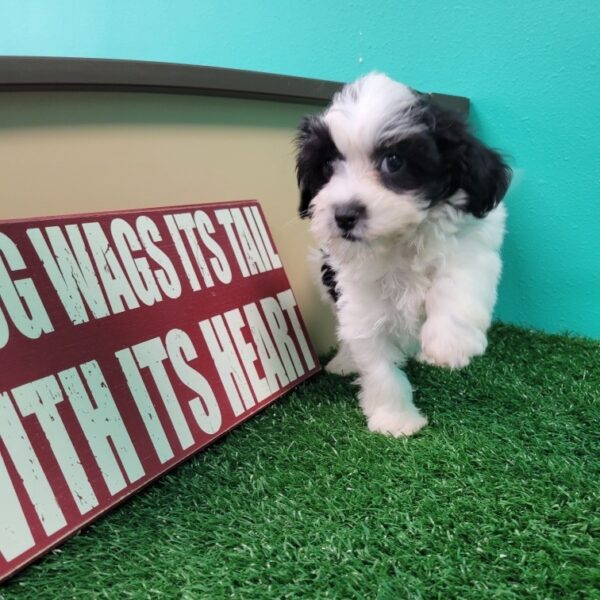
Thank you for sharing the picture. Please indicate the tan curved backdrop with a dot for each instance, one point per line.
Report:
(72, 152)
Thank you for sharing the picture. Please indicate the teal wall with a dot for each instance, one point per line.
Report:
(531, 69)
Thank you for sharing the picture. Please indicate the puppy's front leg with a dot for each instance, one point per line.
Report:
(385, 393)
(459, 309)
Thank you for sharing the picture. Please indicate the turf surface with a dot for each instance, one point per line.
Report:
(497, 498)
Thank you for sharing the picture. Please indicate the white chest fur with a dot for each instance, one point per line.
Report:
(386, 290)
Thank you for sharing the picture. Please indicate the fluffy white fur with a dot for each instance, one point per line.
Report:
(420, 282)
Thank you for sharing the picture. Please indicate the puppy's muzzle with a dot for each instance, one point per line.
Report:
(348, 215)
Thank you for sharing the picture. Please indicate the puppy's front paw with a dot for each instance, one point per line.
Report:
(341, 364)
(391, 421)
(446, 342)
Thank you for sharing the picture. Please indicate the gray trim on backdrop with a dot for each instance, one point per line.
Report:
(34, 73)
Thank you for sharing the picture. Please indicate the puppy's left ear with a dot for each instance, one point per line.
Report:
(471, 166)
(484, 177)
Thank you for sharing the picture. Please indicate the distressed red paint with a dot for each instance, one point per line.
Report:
(196, 333)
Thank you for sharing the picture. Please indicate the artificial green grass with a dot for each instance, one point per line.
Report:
(497, 498)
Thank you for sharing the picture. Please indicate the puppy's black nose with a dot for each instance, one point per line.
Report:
(347, 215)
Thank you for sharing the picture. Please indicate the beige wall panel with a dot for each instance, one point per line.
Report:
(75, 152)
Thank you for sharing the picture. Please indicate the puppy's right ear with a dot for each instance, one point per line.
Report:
(315, 153)
(304, 136)
(470, 165)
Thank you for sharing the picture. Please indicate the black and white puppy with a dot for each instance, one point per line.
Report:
(404, 204)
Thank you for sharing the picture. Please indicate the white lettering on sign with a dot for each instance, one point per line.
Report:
(152, 355)
(98, 284)
(185, 222)
(272, 365)
(15, 535)
(204, 406)
(178, 350)
(131, 396)
(228, 365)
(226, 220)
(264, 236)
(249, 240)
(184, 257)
(257, 239)
(71, 272)
(251, 254)
(218, 262)
(28, 467)
(280, 361)
(40, 398)
(281, 335)
(138, 269)
(116, 285)
(288, 303)
(235, 322)
(197, 240)
(101, 424)
(144, 404)
(20, 298)
(166, 276)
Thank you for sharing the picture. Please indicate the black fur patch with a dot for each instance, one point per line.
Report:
(329, 281)
(444, 158)
(421, 168)
(466, 163)
(315, 155)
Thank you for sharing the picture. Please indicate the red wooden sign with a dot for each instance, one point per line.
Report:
(128, 341)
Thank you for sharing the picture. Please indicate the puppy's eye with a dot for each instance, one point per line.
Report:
(328, 167)
(392, 163)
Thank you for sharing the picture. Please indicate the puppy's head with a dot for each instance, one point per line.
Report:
(374, 164)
